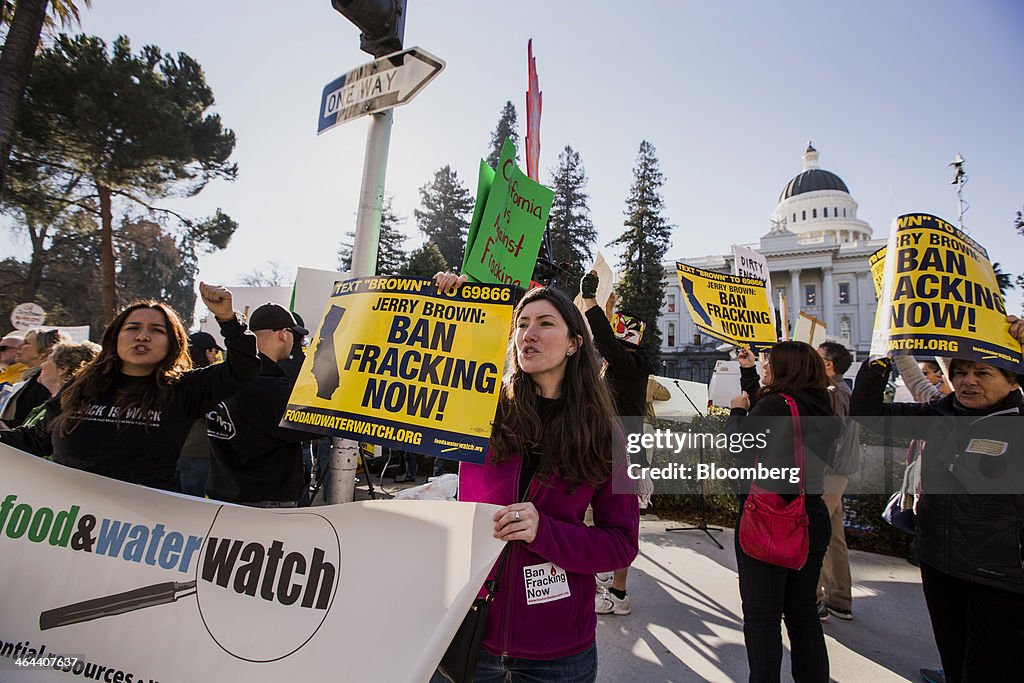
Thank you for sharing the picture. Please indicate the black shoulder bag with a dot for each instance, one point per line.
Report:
(459, 662)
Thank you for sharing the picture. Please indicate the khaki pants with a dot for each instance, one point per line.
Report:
(835, 584)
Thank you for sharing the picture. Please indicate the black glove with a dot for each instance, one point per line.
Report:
(881, 366)
(588, 285)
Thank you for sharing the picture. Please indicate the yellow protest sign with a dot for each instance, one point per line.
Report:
(877, 265)
(940, 296)
(733, 308)
(397, 364)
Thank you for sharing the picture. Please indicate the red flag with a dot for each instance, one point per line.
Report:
(533, 109)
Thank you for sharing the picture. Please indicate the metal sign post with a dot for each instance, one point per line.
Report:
(372, 89)
(341, 473)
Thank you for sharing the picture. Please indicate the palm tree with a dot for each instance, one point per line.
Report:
(25, 20)
(1002, 279)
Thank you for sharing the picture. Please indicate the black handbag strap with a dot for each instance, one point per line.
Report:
(798, 439)
(492, 584)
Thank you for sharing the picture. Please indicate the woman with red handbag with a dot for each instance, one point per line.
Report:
(783, 527)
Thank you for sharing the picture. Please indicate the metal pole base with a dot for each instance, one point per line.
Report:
(341, 472)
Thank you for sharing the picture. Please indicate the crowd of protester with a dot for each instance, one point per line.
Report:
(152, 405)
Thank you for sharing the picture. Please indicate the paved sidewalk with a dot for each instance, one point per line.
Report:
(686, 623)
(687, 626)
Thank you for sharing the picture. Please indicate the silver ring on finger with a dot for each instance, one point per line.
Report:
(517, 515)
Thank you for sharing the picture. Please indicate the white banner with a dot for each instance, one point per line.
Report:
(685, 399)
(749, 263)
(148, 586)
(312, 290)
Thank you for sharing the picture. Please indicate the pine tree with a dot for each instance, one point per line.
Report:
(508, 127)
(447, 208)
(24, 22)
(644, 244)
(572, 232)
(390, 255)
(133, 128)
(424, 262)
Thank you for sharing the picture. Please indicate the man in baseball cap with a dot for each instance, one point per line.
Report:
(252, 460)
(275, 317)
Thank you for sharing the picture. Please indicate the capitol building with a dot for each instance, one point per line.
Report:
(817, 253)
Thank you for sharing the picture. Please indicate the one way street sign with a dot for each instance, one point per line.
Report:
(382, 84)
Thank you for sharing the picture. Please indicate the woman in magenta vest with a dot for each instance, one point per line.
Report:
(553, 449)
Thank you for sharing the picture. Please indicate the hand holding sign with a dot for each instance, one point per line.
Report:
(517, 522)
(448, 283)
(1016, 328)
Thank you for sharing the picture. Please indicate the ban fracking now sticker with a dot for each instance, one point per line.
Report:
(545, 583)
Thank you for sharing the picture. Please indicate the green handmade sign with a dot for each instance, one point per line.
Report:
(503, 246)
(483, 188)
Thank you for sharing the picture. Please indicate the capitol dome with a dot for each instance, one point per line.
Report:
(816, 203)
(813, 180)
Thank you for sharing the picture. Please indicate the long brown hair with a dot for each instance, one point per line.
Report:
(578, 440)
(796, 366)
(99, 375)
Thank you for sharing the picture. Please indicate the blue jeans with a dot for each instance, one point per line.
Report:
(581, 668)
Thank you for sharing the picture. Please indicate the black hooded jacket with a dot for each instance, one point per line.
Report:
(770, 415)
(965, 528)
(627, 370)
(252, 459)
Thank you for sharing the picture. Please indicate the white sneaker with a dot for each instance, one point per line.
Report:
(606, 603)
(604, 579)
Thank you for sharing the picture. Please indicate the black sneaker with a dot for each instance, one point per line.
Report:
(822, 611)
(844, 614)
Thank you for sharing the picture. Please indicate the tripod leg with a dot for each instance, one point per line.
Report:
(702, 525)
(369, 479)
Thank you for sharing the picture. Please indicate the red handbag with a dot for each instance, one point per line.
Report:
(772, 530)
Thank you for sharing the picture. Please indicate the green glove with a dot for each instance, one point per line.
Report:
(588, 285)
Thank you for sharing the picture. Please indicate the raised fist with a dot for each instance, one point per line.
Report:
(588, 285)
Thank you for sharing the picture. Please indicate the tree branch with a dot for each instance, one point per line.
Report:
(188, 222)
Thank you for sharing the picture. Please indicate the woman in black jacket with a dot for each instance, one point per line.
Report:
(771, 593)
(970, 516)
(127, 413)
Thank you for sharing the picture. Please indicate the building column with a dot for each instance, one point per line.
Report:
(828, 298)
(865, 321)
(795, 296)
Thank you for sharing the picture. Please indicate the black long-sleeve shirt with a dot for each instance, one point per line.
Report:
(252, 459)
(142, 448)
(627, 370)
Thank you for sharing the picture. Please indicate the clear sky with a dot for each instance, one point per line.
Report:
(728, 92)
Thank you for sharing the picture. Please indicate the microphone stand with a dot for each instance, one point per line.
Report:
(702, 525)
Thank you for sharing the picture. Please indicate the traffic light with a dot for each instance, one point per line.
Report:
(382, 23)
